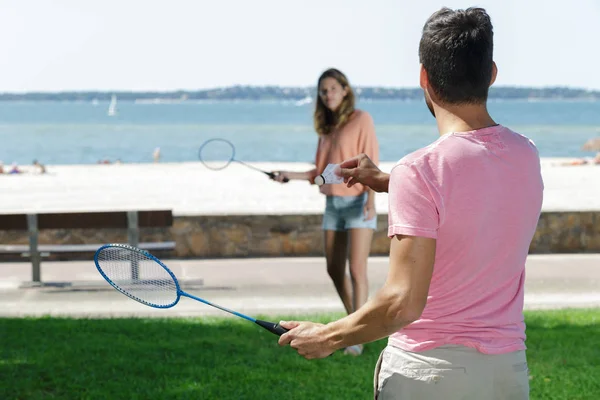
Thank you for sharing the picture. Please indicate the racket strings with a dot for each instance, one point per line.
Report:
(138, 276)
(217, 153)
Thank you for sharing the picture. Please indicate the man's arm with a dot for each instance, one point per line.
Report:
(399, 302)
(361, 169)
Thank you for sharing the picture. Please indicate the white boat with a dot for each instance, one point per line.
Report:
(112, 107)
(306, 100)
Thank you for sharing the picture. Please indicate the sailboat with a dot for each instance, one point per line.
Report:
(112, 107)
(306, 100)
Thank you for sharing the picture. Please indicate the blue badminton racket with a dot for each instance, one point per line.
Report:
(217, 154)
(144, 278)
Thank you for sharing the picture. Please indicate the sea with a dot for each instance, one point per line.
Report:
(63, 133)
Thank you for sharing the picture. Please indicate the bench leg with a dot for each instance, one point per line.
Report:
(35, 255)
(133, 237)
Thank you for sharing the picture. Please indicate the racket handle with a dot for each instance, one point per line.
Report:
(272, 175)
(271, 327)
(274, 328)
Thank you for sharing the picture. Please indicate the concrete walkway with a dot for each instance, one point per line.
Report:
(258, 287)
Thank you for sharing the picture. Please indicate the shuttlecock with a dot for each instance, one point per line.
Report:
(331, 175)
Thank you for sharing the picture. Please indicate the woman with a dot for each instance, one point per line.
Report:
(350, 217)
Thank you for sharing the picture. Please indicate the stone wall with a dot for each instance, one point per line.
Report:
(296, 235)
(567, 232)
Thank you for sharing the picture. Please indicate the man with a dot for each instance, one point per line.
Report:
(462, 213)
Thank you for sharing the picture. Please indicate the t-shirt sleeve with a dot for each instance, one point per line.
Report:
(412, 209)
(369, 143)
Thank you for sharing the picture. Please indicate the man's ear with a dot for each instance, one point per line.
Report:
(494, 73)
(423, 78)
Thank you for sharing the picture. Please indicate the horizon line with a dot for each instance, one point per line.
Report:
(166, 91)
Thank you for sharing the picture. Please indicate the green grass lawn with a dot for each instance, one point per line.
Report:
(190, 358)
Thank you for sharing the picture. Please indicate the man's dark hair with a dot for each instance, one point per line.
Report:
(456, 50)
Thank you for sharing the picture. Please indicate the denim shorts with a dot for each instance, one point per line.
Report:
(346, 212)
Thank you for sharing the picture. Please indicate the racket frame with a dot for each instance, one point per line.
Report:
(271, 175)
(270, 326)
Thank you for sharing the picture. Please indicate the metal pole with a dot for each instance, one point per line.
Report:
(34, 254)
(133, 237)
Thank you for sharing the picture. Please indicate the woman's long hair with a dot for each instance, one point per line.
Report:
(325, 120)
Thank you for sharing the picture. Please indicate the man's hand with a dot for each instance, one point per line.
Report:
(361, 169)
(308, 338)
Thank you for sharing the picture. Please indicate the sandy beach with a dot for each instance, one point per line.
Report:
(191, 189)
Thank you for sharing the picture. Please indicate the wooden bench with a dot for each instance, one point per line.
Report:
(33, 223)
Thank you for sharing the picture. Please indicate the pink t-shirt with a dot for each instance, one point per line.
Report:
(479, 194)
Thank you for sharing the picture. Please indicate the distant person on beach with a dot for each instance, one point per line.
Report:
(350, 217)
(38, 168)
(156, 155)
(1, 167)
(583, 161)
(14, 169)
(590, 145)
(462, 214)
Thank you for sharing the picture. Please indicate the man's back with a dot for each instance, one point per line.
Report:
(479, 195)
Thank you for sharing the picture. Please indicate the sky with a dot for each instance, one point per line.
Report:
(74, 45)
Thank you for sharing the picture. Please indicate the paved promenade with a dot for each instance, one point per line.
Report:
(258, 287)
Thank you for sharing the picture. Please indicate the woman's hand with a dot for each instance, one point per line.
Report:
(281, 176)
(369, 212)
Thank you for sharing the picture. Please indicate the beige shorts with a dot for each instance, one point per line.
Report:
(450, 372)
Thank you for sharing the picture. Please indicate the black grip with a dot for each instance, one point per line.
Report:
(273, 175)
(271, 327)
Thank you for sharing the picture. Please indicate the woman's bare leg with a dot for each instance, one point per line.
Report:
(360, 248)
(336, 247)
